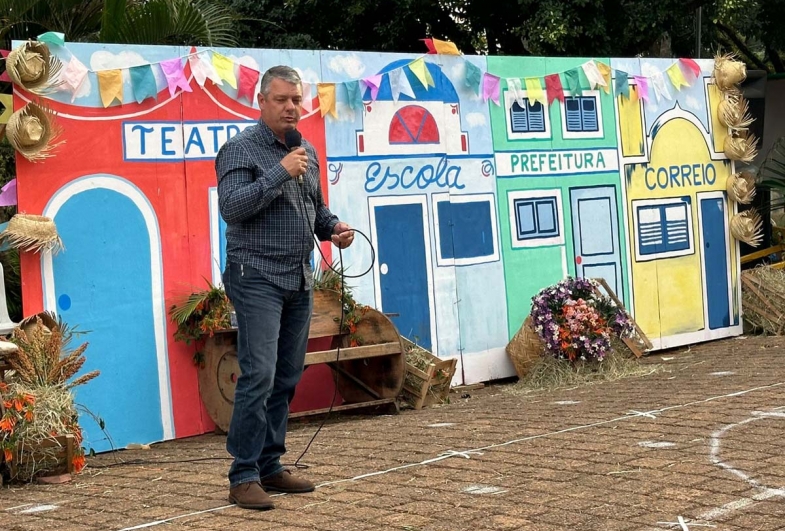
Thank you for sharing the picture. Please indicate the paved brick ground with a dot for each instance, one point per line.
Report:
(700, 440)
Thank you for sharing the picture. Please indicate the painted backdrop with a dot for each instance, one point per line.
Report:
(472, 207)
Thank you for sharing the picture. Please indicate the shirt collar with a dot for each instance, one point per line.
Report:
(266, 134)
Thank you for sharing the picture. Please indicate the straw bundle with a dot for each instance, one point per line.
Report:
(734, 113)
(33, 67)
(728, 72)
(763, 298)
(525, 348)
(741, 187)
(28, 232)
(747, 227)
(32, 131)
(743, 147)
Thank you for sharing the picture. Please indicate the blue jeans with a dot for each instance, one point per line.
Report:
(273, 325)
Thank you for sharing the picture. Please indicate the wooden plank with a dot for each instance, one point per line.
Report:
(630, 342)
(357, 382)
(343, 407)
(763, 253)
(352, 353)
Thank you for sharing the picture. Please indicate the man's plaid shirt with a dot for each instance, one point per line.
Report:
(263, 207)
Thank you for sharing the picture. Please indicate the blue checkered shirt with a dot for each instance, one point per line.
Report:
(263, 208)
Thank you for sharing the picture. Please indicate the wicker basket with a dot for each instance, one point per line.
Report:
(525, 348)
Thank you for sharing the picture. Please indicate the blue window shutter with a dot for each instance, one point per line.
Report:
(536, 117)
(536, 218)
(518, 119)
(589, 114)
(472, 229)
(573, 112)
(663, 228)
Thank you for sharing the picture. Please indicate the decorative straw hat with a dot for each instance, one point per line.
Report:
(31, 131)
(28, 232)
(33, 67)
(743, 147)
(747, 227)
(728, 72)
(734, 112)
(741, 187)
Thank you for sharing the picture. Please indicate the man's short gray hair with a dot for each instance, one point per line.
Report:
(285, 73)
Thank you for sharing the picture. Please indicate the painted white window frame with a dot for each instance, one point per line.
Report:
(465, 198)
(508, 101)
(637, 204)
(512, 196)
(571, 135)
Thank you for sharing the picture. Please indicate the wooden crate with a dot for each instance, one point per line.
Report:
(429, 387)
(56, 456)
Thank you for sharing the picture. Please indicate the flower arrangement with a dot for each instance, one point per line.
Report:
(201, 314)
(575, 322)
(36, 402)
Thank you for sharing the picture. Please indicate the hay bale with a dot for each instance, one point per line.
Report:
(763, 299)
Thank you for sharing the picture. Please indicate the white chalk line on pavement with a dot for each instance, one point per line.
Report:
(478, 451)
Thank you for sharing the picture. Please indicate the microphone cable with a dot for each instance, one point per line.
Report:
(343, 276)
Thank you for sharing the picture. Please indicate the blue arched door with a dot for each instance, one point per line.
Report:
(103, 283)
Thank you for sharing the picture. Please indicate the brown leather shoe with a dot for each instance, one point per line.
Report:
(286, 482)
(250, 496)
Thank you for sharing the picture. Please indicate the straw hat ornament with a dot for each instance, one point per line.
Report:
(28, 232)
(741, 187)
(32, 131)
(33, 67)
(734, 112)
(728, 72)
(747, 227)
(741, 147)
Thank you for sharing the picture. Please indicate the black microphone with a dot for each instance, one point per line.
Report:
(293, 140)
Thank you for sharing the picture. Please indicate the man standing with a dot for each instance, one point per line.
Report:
(271, 200)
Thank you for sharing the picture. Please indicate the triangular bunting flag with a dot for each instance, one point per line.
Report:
(490, 87)
(676, 76)
(8, 194)
(143, 82)
(573, 78)
(7, 104)
(52, 37)
(605, 72)
(643, 87)
(224, 67)
(622, 84)
(534, 90)
(472, 76)
(327, 99)
(354, 94)
(399, 84)
(420, 71)
(307, 97)
(516, 89)
(429, 45)
(660, 88)
(692, 66)
(593, 74)
(445, 47)
(110, 85)
(202, 69)
(373, 83)
(247, 83)
(73, 75)
(173, 71)
(553, 88)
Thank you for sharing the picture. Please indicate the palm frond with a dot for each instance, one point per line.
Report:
(772, 171)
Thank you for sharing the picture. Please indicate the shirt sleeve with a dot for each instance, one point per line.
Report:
(325, 220)
(244, 189)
